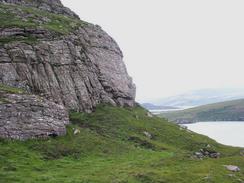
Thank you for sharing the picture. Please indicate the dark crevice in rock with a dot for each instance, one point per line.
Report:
(58, 82)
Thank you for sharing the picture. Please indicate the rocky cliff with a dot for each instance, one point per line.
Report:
(53, 6)
(48, 52)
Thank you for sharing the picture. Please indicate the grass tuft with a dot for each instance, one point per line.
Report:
(10, 89)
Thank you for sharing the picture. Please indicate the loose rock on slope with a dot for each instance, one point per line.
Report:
(232, 168)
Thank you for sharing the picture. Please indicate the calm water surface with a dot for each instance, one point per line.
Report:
(228, 133)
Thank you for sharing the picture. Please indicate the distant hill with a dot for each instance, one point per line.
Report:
(150, 106)
(223, 111)
(201, 97)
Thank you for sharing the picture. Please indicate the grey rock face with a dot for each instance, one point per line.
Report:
(53, 6)
(73, 71)
(29, 116)
(79, 71)
(25, 32)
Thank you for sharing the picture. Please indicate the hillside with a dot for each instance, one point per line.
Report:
(68, 112)
(150, 106)
(223, 111)
(118, 145)
(202, 97)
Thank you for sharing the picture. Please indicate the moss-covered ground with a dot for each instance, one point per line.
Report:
(112, 147)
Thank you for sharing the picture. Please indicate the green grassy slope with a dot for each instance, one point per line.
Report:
(12, 16)
(112, 147)
(223, 111)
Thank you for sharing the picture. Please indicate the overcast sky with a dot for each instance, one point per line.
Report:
(173, 46)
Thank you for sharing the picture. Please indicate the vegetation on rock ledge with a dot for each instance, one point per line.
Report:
(10, 89)
(27, 17)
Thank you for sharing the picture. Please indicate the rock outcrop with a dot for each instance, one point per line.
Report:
(24, 116)
(232, 168)
(78, 70)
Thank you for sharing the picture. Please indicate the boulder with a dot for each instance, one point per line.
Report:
(150, 115)
(147, 134)
(76, 131)
(25, 116)
(199, 155)
(242, 152)
(207, 153)
(232, 168)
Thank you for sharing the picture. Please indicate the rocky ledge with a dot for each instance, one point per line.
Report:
(53, 6)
